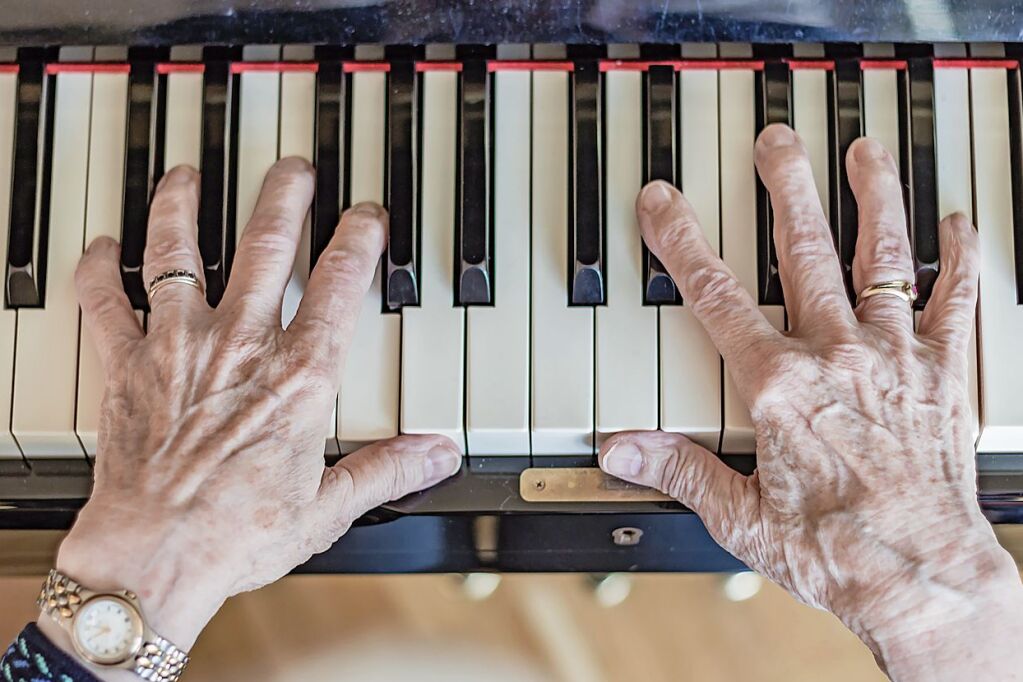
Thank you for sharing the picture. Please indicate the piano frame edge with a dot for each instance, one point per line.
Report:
(475, 522)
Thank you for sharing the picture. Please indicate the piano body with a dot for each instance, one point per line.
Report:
(516, 309)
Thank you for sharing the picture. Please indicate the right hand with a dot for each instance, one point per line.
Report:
(864, 501)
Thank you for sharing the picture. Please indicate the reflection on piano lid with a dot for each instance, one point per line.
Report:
(516, 310)
(414, 22)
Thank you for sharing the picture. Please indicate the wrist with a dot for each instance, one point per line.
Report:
(943, 620)
(178, 593)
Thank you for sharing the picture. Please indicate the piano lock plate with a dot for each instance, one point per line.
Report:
(581, 484)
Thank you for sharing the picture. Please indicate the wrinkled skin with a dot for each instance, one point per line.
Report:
(209, 476)
(864, 499)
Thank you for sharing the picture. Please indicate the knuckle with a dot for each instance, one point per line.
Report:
(711, 290)
(164, 254)
(676, 478)
(677, 231)
(270, 237)
(888, 250)
(349, 267)
(361, 226)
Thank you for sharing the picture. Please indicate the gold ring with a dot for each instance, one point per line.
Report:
(178, 276)
(899, 288)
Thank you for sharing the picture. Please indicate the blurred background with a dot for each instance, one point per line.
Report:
(526, 628)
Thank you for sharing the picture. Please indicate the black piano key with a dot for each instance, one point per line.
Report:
(143, 138)
(219, 120)
(773, 90)
(331, 115)
(586, 236)
(31, 177)
(1015, 88)
(474, 241)
(923, 205)
(845, 126)
(401, 287)
(661, 150)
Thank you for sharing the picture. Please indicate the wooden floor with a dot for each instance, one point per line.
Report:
(534, 628)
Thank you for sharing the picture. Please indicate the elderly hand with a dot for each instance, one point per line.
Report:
(864, 499)
(210, 477)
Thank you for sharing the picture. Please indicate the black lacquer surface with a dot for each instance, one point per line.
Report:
(85, 22)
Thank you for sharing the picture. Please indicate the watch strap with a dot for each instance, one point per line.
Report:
(156, 658)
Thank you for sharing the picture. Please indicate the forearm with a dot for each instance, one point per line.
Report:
(941, 630)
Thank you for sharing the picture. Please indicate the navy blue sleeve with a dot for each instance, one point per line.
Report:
(34, 658)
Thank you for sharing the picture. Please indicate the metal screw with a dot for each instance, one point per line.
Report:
(540, 484)
(626, 536)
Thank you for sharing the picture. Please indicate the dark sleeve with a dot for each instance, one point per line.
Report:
(34, 658)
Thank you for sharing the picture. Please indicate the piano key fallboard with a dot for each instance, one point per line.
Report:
(516, 309)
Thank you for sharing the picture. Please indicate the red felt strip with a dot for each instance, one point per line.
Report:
(499, 65)
(182, 67)
(60, 67)
(275, 67)
(896, 64)
(356, 67)
(975, 64)
(438, 66)
(811, 64)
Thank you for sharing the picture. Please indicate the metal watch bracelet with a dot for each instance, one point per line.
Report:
(154, 659)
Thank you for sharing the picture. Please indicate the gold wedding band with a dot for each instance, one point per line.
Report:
(178, 276)
(899, 288)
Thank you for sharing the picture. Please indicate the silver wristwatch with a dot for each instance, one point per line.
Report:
(108, 630)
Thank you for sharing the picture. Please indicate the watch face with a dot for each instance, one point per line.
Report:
(107, 630)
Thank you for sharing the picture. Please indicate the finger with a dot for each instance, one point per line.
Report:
(726, 310)
(882, 244)
(723, 498)
(382, 472)
(950, 311)
(810, 273)
(265, 257)
(171, 244)
(107, 313)
(326, 317)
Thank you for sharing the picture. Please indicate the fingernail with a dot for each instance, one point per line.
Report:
(442, 462)
(868, 150)
(655, 197)
(367, 208)
(624, 460)
(777, 136)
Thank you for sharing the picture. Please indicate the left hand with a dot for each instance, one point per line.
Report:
(210, 477)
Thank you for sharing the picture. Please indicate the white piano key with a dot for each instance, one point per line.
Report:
(183, 121)
(810, 120)
(298, 138)
(497, 338)
(258, 118)
(562, 362)
(881, 108)
(1001, 317)
(8, 318)
(43, 419)
(102, 219)
(368, 405)
(626, 348)
(953, 167)
(739, 229)
(433, 333)
(690, 365)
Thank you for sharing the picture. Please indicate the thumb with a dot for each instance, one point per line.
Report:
(381, 472)
(722, 497)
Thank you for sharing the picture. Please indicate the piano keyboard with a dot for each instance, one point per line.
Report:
(516, 309)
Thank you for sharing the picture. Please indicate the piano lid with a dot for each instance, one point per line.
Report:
(123, 22)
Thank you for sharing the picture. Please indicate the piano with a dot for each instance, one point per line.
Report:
(516, 309)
